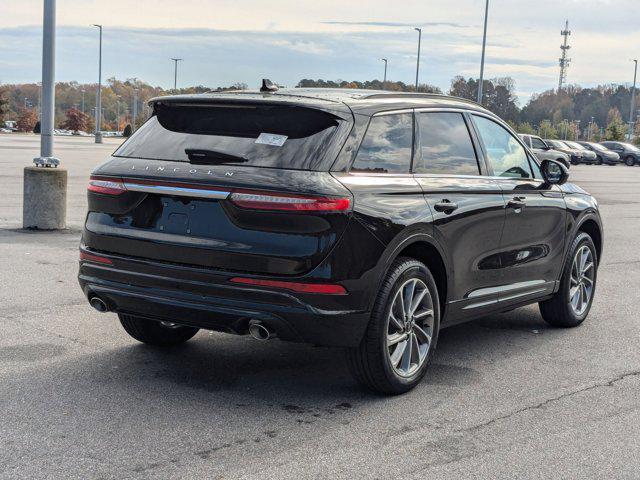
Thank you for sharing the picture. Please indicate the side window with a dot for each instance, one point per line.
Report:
(537, 143)
(505, 154)
(445, 145)
(387, 145)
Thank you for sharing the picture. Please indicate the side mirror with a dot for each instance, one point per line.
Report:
(546, 148)
(554, 173)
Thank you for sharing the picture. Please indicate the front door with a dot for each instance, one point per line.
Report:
(532, 245)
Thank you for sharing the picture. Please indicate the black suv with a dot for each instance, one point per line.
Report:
(360, 219)
(628, 152)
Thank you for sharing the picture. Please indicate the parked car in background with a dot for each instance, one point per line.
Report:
(544, 151)
(630, 154)
(588, 156)
(575, 155)
(603, 154)
(360, 219)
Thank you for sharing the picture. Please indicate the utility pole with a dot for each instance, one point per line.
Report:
(384, 82)
(564, 61)
(175, 72)
(99, 93)
(633, 100)
(44, 205)
(419, 30)
(484, 47)
(590, 128)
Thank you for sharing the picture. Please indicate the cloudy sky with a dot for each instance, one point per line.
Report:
(224, 42)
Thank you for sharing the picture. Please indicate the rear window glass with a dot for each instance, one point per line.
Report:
(263, 135)
(445, 145)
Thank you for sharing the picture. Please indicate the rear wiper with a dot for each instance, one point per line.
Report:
(211, 157)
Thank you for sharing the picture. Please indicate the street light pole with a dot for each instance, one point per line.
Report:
(99, 94)
(633, 100)
(175, 72)
(48, 86)
(419, 30)
(135, 109)
(484, 48)
(384, 82)
(83, 100)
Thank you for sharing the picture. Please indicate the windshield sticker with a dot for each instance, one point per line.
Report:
(272, 139)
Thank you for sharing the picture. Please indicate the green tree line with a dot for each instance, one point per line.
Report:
(575, 112)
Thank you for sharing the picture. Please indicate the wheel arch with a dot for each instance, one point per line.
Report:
(590, 226)
(425, 249)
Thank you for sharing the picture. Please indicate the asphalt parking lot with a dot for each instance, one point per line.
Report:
(506, 397)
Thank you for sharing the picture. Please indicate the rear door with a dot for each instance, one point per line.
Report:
(532, 245)
(467, 207)
(242, 187)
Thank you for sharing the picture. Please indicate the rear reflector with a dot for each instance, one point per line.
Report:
(88, 257)
(295, 203)
(323, 288)
(107, 186)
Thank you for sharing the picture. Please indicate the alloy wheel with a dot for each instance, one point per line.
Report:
(410, 327)
(582, 280)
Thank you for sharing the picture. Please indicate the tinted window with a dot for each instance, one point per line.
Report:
(387, 146)
(537, 143)
(445, 145)
(505, 154)
(266, 136)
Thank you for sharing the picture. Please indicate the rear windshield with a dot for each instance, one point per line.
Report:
(255, 135)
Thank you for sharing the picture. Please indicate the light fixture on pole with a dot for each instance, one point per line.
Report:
(175, 72)
(384, 82)
(44, 205)
(484, 48)
(419, 30)
(633, 100)
(99, 92)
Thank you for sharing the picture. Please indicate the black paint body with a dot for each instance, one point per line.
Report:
(173, 256)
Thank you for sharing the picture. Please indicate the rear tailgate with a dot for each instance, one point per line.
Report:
(253, 217)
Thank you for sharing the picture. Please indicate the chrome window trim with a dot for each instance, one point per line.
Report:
(179, 191)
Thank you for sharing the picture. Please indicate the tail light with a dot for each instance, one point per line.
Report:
(107, 186)
(323, 288)
(290, 203)
(88, 257)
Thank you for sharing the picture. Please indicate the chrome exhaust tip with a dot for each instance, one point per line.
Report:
(259, 331)
(98, 304)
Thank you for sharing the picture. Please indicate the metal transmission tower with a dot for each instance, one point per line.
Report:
(564, 61)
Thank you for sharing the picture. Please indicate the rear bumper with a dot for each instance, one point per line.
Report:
(205, 299)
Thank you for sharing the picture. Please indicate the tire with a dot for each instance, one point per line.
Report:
(598, 160)
(630, 161)
(371, 363)
(559, 311)
(156, 333)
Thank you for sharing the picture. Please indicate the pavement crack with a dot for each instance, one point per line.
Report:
(543, 404)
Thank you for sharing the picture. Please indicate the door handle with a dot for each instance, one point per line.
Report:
(445, 206)
(517, 203)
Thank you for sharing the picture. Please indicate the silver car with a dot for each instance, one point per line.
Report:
(544, 151)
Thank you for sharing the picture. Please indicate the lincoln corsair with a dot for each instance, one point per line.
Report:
(359, 219)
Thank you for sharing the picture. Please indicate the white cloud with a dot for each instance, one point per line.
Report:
(225, 42)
